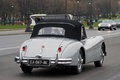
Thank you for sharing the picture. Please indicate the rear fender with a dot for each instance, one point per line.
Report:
(92, 47)
(26, 43)
(72, 51)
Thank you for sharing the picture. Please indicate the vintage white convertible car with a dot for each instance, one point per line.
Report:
(59, 43)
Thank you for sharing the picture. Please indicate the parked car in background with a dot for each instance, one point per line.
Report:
(107, 24)
(58, 44)
(117, 22)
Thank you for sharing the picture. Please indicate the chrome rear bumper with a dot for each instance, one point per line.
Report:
(60, 61)
(17, 59)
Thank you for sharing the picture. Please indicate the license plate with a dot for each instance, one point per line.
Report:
(38, 62)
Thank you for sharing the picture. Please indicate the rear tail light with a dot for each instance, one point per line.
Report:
(24, 48)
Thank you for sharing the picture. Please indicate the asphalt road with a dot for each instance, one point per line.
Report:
(10, 44)
(9, 70)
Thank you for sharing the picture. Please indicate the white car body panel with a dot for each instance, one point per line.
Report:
(68, 50)
(92, 47)
(51, 46)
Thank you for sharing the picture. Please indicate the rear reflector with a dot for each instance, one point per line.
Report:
(43, 46)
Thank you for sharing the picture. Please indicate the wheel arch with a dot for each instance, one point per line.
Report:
(104, 48)
(83, 54)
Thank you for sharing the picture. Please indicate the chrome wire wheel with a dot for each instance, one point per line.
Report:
(78, 68)
(100, 63)
(80, 61)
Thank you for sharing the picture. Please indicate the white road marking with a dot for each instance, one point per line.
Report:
(107, 34)
(1, 49)
(115, 77)
(111, 34)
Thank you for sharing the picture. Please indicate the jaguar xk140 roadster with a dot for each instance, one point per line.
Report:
(59, 43)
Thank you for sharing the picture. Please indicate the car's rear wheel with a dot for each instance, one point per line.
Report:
(111, 28)
(78, 68)
(26, 69)
(103, 29)
(99, 29)
(115, 28)
(100, 63)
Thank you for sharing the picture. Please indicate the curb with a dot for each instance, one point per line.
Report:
(13, 32)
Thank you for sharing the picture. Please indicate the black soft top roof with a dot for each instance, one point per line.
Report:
(72, 27)
(76, 23)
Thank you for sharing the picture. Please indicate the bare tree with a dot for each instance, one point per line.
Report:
(12, 10)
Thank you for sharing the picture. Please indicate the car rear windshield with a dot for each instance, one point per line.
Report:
(56, 31)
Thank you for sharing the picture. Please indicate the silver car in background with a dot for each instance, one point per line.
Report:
(107, 24)
(117, 22)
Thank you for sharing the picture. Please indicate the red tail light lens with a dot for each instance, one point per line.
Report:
(59, 49)
(24, 48)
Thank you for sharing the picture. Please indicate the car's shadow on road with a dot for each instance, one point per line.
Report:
(58, 72)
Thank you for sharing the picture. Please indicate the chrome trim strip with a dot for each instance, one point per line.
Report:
(17, 59)
(52, 61)
(62, 61)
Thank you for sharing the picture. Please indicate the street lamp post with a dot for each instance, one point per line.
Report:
(98, 13)
(28, 28)
(110, 9)
(12, 14)
(65, 9)
(91, 20)
(78, 9)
